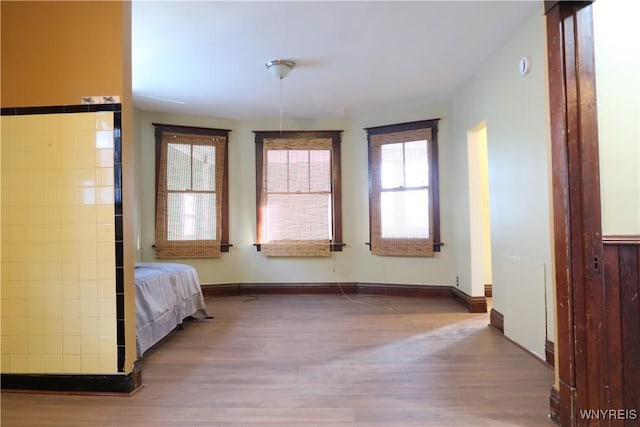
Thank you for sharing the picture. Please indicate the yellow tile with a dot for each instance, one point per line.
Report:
(89, 288)
(16, 233)
(5, 363)
(85, 232)
(13, 252)
(53, 345)
(107, 345)
(89, 364)
(70, 308)
(34, 233)
(87, 251)
(71, 363)
(19, 364)
(106, 289)
(53, 199)
(86, 214)
(17, 271)
(53, 363)
(105, 214)
(104, 139)
(69, 218)
(104, 158)
(34, 216)
(70, 289)
(89, 326)
(69, 178)
(107, 326)
(105, 251)
(68, 123)
(87, 158)
(52, 233)
(88, 308)
(104, 177)
(104, 120)
(69, 272)
(107, 308)
(35, 271)
(71, 344)
(52, 289)
(105, 233)
(18, 315)
(35, 326)
(18, 178)
(35, 344)
(86, 121)
(70, 325)
(106, 270)
(35, 290)
(108, 364)
(89, 344)
(69, 196)
(105, 196)
(53, 312)
(18, 344)
(35, 180)
(35, 161)
(35, 307)
(87, 177)
(35, 363)
(87, 196)
(88, 271)
(53, 326)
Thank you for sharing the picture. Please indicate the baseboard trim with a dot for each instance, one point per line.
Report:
(488, 291)
(472, 304)
(93, 384)
(549, 350)
(554, 405)
(496, 319)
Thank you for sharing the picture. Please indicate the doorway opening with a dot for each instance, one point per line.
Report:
(479, 210)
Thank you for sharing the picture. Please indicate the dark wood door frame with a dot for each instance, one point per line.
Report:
(580, 296)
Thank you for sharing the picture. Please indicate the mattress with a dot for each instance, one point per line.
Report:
(166, 294)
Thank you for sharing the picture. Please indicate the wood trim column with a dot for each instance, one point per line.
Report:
(581, 317)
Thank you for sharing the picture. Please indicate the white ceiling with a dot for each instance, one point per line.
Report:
(207, 57)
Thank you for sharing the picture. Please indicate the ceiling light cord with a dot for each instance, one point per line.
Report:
(281, 105)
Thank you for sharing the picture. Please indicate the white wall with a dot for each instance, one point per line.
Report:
(355, 264)
(617, 53)
(515, 109)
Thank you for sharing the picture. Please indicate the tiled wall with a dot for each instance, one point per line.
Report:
(58, 238)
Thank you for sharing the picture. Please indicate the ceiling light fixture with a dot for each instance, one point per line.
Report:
(280, 68)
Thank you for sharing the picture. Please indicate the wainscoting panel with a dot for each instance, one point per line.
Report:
(622, 287)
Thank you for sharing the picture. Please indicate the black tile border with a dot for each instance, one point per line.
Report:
(118, 234)
(125, 384)
(59, 109)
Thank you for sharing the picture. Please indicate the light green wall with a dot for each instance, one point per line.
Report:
(617, 54)
(515, 109)
(355, 264)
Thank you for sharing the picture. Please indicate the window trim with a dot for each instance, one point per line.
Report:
(160, 129)
(434, 181)
(336, 179)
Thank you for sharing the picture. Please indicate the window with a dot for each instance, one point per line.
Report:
(298, 194)
(191, 192)
(403, 189)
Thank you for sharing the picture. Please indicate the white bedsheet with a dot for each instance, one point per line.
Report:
(166, 293)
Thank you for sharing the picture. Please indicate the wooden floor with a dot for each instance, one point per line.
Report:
(323, 360)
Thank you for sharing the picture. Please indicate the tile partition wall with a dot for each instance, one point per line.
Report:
(62, 269)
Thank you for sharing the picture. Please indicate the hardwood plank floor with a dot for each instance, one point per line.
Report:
(318, 360)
